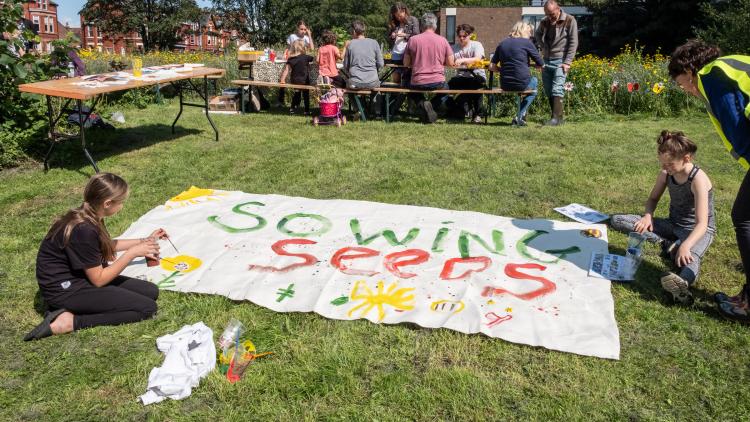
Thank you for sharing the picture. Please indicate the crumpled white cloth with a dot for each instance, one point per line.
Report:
(190, 355)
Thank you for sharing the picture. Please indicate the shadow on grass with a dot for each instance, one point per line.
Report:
(648, 285)
(104, 143)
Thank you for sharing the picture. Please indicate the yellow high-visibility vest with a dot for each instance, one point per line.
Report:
(737, 68)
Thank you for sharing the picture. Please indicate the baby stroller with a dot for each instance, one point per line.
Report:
(331, 104)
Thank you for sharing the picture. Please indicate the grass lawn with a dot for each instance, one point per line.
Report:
(677, 363)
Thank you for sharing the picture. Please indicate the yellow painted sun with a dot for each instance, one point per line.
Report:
(181, 263)
(194, 195)
(394, 297)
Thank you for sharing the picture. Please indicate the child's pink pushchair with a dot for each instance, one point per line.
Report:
(331, 104)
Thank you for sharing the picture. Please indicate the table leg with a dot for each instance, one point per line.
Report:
(50, 134)
(205, 100)
(242, 98)
(82, 123)
(387, 107)
(178, 86)
(492, 96)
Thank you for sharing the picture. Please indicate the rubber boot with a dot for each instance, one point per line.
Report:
(557, 112)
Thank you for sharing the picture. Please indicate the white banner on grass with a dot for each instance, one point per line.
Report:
(524, 281)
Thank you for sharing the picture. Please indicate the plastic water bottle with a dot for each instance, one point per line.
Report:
(71, 70)
(265, 54)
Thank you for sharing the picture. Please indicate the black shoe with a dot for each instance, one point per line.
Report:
(43, 329)
(429, 115)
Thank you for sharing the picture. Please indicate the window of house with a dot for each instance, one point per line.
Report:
(35, 19)
(88, 31)
(44, 4)
(450, 28)
(208, 40)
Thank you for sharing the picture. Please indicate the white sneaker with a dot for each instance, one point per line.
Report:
(678, 287)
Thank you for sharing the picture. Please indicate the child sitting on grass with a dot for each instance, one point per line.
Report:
(299, 66)
(78, 272)
(687, 233)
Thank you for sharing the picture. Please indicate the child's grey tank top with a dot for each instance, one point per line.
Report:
(682, 203)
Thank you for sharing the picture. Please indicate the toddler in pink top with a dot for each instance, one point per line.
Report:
(328, 55)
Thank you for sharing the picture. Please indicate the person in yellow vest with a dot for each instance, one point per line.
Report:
(724, 83)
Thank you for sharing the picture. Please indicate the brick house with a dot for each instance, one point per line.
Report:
(94, 39)
(204, 36)
(493, 24)
(43, 14)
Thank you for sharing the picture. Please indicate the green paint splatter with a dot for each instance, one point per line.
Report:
(340, 301)
(437, 244)
(168, 281)
(325, 225)
(213, 219)
(497, 240)
(389, 235)
(523, 243)
(285, 293)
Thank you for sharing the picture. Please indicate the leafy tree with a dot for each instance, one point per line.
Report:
(654, 24)
(727, 25)
(271, 21)
(21, 116)
(158, 22)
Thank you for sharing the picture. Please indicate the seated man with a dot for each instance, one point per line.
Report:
(427, 54)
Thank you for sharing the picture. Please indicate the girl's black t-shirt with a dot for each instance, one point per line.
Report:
(300, 67)
(60, 269)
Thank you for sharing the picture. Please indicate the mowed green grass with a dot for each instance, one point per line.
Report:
(677, 363)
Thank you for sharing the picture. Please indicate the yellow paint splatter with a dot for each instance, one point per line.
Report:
(181, 263)
(490, 302)
(447, 306)
(392, 297)
(194, 195)
(508, 309)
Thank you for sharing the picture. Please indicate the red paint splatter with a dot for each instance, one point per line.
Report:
(278, 247)
(343, 255)
(392, 263)
(495, 319)
(511, 270)
(450, 264)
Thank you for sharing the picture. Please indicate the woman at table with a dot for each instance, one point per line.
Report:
(466, 54)
(513, 54)
(724, 84)
(401, 26)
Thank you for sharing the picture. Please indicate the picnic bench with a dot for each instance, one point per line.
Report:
(353, 93)
(387, 91)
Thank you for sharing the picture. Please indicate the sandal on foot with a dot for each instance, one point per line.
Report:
(739, 300)
(43, 329)
(678, 287)
(734, 313)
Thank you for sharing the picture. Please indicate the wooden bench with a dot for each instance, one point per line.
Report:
(488, 92)
(353, 93)
(386, 90)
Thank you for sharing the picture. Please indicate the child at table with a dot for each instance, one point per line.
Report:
(328, 55)
(75, 278)
(689, 230)
(299, 66)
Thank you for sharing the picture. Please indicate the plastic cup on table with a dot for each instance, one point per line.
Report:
(137, 67)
